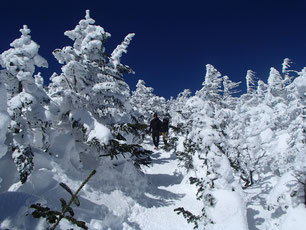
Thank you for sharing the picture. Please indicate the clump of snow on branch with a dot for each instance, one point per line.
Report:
(122, 48)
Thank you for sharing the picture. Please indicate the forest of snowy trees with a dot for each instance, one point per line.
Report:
(236, 149)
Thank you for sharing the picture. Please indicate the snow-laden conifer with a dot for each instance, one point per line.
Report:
(286, 65)
(146, 103)
(26, 101)
(261, 89)
(179, 109)
(212, 85)
(206, 153)
(90, 77)
(250, 81)
(275, 82)
(94, 114)
(230, 88)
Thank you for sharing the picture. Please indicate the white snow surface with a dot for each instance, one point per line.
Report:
(94, 128)
(168, 188)
(229, 211)
(295, 219)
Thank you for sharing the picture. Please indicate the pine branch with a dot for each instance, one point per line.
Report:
(54, 217)
(74, 196)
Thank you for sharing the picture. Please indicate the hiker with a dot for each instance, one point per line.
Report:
(155, 126)
(164, 130)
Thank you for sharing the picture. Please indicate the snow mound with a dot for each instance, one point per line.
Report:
(228, 213)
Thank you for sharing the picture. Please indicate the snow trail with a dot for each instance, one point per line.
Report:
(168, 189)
(257, 202)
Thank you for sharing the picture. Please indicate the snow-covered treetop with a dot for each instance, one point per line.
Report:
(25, 31)
(23, 56)
(275, 79)
(250, 81)
(142, 88)
(229, 87)
(212, 84)
(186, 93)
(261, 88)
(140, 82)
(88, 38)
(212, 76)
(89, 46)
(286, 65)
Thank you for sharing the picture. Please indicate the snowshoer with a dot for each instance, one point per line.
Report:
(155, 127)
(164, 130)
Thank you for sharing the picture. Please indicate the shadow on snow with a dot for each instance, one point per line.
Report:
(258, 199)
(157, 194)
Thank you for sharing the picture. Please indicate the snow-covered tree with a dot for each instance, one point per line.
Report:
(205, 152)
(286, 65)
(250, 81)
(93, 100)
(26, 101)
(212, 85)
(275, 83)
(179, 110)
(262, 89)
(90, 77)
(287, 71)
(230, 88)
(145, 103)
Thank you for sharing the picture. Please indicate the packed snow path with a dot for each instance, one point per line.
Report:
(257, 203)
(167, 190)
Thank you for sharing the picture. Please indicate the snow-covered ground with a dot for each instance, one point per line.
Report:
(167, 189)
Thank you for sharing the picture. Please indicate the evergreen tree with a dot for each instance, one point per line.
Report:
(26, 101)
(250, 81)
(93, 98)
(179, 109)
(287, 71)
(229, 88)
(262, 90)
(90, 77)
(145, 103)
(206, 149)
(211, 86)
(275, 83)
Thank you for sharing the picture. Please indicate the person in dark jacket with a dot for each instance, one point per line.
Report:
(164, 130)
(155, 126)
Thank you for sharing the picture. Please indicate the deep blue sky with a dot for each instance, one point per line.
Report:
(174, 39)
